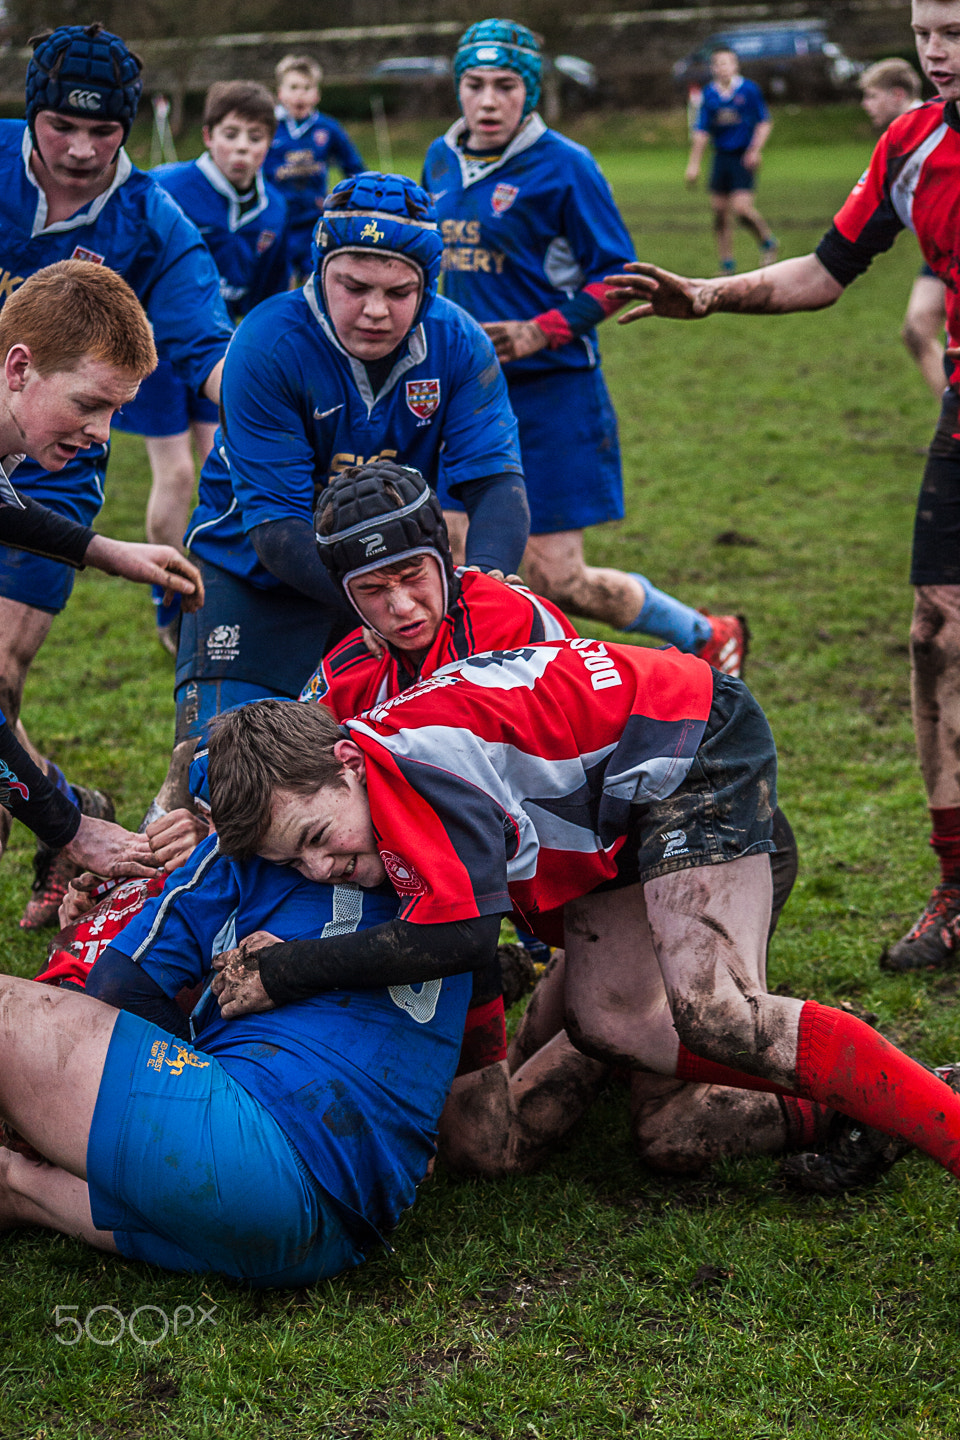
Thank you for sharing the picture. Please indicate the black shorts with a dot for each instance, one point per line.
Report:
(729, 173)
(724, 808)
(936, 530)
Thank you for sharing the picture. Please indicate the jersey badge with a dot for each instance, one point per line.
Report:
(320, 137)
(90, 256)
(315, 688)
(223, 642)
(503, 197)
(402, 875)
(423, 397)
(264, 240)
(370, 232)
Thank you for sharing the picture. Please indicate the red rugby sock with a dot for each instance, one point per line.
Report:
(484, 1036)
(946, 842)
(841, 1062)
(707, 1072)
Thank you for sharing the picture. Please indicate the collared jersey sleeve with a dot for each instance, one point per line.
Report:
(343, 152)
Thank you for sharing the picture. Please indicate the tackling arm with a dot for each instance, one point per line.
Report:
(803, 283)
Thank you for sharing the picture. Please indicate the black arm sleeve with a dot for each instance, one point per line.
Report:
(499, 521)
(846, 259)
(44, 532)
(396, 953)
(120, 982)
(30, 797)
(288, 550)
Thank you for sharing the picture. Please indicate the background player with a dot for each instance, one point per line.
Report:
(530, 228)
(924, 147)
(304, 147)
(69, 191)
(365, 361)
(243, 221)
(890, 88)
(734, 115)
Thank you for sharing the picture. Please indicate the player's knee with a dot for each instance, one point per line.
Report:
(914, 339)
(475, 1123)
(935, 628)
(718, 1027)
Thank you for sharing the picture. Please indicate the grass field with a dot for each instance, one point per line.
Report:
(772, 467)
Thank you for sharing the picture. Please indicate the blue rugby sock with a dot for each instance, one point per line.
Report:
(669, 619)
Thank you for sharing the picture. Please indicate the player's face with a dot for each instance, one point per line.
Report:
(371, 302)
(56, 415)
(406, 607)
(936, 27)
(327, 836)
(883, 106)
(298, 95)
(724, 66)
(238, 148)
(492, 104)
(76, 155)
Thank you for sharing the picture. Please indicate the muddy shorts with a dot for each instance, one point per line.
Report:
(723, 809)
(936, 530)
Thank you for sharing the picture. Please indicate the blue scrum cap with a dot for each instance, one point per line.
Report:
(83, 70)
(502, 45)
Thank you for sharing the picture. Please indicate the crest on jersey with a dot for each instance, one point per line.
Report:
(503, 197)
(90, 256)
(404, 878)
(264, 240)
(423, 397)
(320, 137)
(503, 669)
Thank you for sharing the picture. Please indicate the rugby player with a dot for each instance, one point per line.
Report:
(913, 181)
(365, 361)
(69, 191)
(734, 115)
(243, 221)
(305, 145)
(890, 88)
(628, 792)
(530, 228)
(319, 1121)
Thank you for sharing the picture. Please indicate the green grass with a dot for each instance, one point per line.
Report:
(594, 1299)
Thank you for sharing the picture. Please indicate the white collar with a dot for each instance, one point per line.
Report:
(471, 169)
(9, 496)
(297, 127)
(728, 92)
(416, 351)
(85, 216)
(216, 178)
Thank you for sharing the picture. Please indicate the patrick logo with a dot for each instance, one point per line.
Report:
(502, 198)
(423, 397)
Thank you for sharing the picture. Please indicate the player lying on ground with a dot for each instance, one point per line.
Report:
(913, 180)
(627, 791)
(319, 1120)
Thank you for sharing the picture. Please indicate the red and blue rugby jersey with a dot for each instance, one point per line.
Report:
(913, 182)
(507, 779)
(485, 615)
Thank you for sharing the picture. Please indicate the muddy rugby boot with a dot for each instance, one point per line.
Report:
(932, 939)
(726, 648)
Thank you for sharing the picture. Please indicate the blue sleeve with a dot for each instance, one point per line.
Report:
(272, 462)
(705, 115)
(499, 522)
(174, 936)
(191, 326)
(119, 981)
(760, 109)
(343, 151)
(272, 276)
(592, 224)
(479, 430)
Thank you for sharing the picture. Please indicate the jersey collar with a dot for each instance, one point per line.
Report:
(297, 128)
(9, 496)
(219, 182)
(83, 217)
(473, 170)
(416, 352)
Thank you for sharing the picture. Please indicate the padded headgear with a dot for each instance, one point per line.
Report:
(502, 45)
(360, 526)
(389, 215)
(83, 70)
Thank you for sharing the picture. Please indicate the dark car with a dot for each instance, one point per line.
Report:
(789, 61)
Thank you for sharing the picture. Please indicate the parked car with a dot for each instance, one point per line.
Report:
(789, 61)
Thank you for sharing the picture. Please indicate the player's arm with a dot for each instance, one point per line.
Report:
(395, 953)
(759, 138)
(345, 153)
(182, 299)
(803, 283)
(698, 146)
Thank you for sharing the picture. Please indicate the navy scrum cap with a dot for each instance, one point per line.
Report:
(373, 515)
(86, 71)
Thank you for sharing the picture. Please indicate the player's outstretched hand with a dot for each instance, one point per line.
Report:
(149, 565)
(515, 339)
(174, 837)
(661, 293)
(237, 984)
(110, 851)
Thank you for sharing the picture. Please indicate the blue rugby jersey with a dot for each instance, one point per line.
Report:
(248, 243)
(530, 235)
(355, 1078)
(298, 163)
(299, 410)
(138, 230)
(730, 120)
